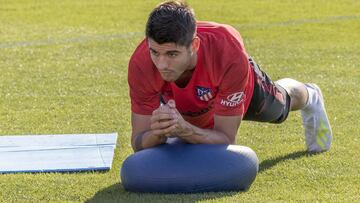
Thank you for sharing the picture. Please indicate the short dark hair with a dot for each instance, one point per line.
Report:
(171, 21)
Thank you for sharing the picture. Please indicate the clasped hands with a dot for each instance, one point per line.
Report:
(167, 121)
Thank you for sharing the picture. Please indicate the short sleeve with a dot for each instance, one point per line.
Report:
(143, 94)
(231, 97)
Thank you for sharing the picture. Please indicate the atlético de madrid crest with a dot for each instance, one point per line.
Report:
(204, 93)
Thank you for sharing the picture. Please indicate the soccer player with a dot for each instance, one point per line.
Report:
(208, 84)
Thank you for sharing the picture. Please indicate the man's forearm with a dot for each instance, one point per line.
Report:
(198, 135)
(146, 140)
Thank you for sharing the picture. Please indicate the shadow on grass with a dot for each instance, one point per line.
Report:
(117, 193)
(269, 163)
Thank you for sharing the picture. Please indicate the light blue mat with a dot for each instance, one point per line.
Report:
(57, 153)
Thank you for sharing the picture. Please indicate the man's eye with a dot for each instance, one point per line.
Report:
(172, 54)
(153, 52)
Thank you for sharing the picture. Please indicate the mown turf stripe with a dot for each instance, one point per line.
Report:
(85, 39)
(329, 19)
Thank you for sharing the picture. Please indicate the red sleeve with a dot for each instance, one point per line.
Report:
(145, 97)
(232, 95)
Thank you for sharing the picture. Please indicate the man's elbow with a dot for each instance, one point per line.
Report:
(136, 142)
(135, 149)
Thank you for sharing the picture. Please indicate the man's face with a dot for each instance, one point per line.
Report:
(170, 59)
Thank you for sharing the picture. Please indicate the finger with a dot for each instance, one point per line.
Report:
(158, 132)
(161, 132)
(174, 129)
(156, 111)
(162, 125)
(161, 109)
(164, 108)
(170, 135)
(161, 117)
(175, 111)
(171, 103)
(175, 114)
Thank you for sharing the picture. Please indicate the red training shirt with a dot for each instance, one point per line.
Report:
(221, 84)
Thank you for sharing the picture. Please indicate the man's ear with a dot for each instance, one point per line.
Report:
(195, 44)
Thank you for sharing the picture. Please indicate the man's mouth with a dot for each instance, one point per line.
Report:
(165, 72)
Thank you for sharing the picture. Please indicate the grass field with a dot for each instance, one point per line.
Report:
(63, 69)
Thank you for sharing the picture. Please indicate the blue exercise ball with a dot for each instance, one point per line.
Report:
(190, 168)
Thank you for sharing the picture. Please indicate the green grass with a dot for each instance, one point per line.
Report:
(63, 69)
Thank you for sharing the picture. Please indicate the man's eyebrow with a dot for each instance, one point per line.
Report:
(173, 52)
(167, 52)
(153, 50)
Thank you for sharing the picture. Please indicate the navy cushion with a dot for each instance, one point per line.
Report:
(188, 168)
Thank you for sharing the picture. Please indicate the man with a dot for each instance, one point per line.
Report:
(208, 84)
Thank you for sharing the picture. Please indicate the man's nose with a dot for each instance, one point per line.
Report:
(162, 63)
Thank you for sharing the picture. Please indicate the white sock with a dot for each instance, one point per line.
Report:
(312, 99)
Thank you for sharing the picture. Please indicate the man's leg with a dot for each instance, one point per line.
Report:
(297, 92)
(308, 98)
